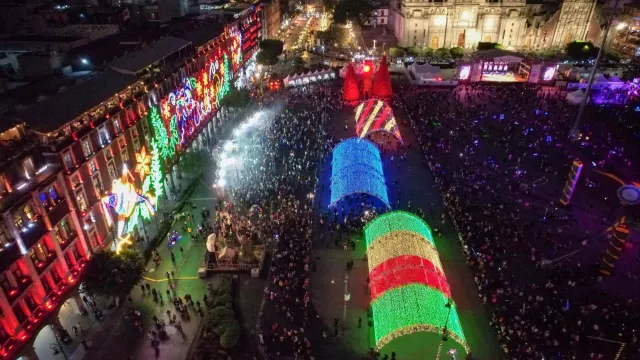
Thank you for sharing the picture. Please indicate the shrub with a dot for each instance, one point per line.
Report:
(222, 300)
(230, 337)
(219, 314)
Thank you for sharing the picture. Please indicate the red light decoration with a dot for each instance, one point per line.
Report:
(366, 68)
(350, 90)
(382, 81)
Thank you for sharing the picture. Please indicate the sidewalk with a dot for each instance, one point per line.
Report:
(115, 337)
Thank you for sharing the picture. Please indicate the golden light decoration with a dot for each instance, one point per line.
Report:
(143, 162)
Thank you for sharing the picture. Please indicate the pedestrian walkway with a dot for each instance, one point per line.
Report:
(115, 337)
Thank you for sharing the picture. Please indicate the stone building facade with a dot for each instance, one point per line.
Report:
(514, 24)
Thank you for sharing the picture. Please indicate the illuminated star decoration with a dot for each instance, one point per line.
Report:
(126, 199)
(143, 163)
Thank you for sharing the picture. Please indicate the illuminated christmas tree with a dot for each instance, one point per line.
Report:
(350, 91)
(160, 134)
(382, 81)
(156, 171)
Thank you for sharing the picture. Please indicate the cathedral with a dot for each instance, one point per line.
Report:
(515, 24)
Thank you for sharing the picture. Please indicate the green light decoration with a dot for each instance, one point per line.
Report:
(412, 307)
(226, 78)
(160, 134)
(156, 171)
(408, 304)
(174, 140)
(394, 221)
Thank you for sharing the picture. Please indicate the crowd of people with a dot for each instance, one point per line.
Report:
(500, 156)
(274, 188)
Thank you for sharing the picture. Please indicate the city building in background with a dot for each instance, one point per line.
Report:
(514, 24)
(272, 17)
(64, 155)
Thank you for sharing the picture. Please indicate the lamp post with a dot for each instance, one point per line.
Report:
(611, 16)
(57, 347)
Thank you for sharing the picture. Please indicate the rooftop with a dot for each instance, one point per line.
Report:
(201, 33)
(137, 61)
(50, 114)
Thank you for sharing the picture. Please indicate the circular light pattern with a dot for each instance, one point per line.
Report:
(629, 194)
(409, 291)
(357, 169)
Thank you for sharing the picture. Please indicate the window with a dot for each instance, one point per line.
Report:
(53, 194)
(30, 301)
(97, 184)
(108, 153)
(76, 253)
(43, 250)
(17, 273)
(64, 224)
(4, 240)
(116, 125)
(125, 155)
(58, 235)
(82, 201)
(136, 144)
(75, 181)
(28, 168)
(18, 221)
(17, 310)
(55, 275)
(112, 170)
(44, 199)
(46, 285)
(93, 167)
(86, 148)
(34, 257)
(93, 239)
(4, 282)
(122, 143)
(104, 135)
(28, 212)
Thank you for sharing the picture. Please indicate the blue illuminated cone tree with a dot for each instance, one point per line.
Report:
(382, 81)
(350, 91)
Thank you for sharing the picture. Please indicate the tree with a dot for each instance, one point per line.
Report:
(396, 52)
(272, 47)
(237, 98)
(426, 52)
(581, 50)
(632, 69)
(412, 51)
(356, 11)
(350, 90)
(329, 5)
(193, 162)
(382, 81)
(112, 274)
(230, 337)
(456, 52)
(488, 45)
(263, 58)
(443, 53)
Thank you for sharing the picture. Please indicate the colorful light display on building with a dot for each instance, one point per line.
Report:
(409, 291)
(357, 169)
(129, 202)
(373, 116)
(184, 111)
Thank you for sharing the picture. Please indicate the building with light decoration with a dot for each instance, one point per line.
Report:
(84, 169)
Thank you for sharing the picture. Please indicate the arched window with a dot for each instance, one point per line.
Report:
(487, 38)
(434, 42)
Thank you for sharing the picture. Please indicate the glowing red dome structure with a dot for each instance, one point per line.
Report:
(373, 116)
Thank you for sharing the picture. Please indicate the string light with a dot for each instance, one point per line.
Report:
(357, 169)
(409, 291)
(374, 116)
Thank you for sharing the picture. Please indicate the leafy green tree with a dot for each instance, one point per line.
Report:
(272, 47)
(230, 337)
(111, 274)
(356, 11)
(488, 45)
(264, 59)
(194, 162)
(412, 51)
(396, 52)
(237, 98)
(581, 50)
(632, 69)
(442, 53)
(456, 52)
(426, 52)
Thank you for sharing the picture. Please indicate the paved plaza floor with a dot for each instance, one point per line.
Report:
(331, 280)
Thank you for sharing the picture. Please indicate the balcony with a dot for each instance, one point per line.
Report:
(32, 232)
(64, 243)
(23, 285)
(58, 212)
(43, 265)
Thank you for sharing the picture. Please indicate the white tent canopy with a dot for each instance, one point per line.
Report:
(425, 71)
(309, 77)
(614, 79)
(575, 97)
